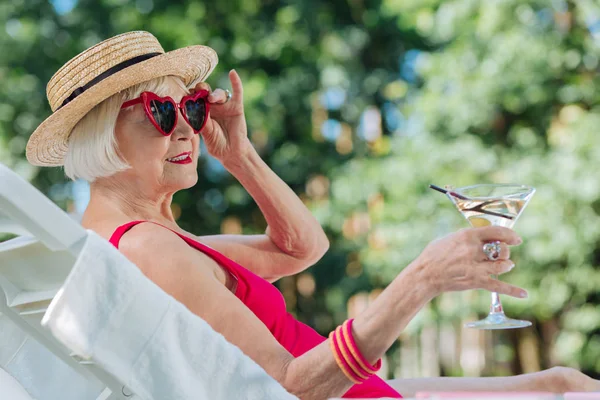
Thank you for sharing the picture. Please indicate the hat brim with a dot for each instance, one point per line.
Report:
(48, 144)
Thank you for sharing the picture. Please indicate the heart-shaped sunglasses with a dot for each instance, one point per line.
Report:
(162, 111)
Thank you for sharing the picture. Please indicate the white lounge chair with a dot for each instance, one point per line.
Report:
(33, 267)
(33, 270)
(11, 389)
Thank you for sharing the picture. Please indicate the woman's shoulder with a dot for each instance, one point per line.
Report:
(150, 244)
(147, 244)
(128, 231)
(148, 238)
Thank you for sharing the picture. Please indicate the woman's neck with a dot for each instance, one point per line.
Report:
(110, 198)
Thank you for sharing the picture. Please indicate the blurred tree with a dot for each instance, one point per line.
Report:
(507, 93)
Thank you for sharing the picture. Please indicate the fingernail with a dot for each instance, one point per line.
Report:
(512, 265)
(523, 294)
(519, 240)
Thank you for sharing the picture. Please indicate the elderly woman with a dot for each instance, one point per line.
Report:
(126, 120)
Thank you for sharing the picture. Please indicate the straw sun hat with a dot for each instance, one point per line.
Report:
(102, 71)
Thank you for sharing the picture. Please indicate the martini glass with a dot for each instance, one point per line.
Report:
(497, 205)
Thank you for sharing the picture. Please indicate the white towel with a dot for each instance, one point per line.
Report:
(110, 313)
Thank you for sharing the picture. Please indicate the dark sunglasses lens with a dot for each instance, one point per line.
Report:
(164, 114)
(195, 112)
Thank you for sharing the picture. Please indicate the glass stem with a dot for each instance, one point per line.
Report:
(496, 307)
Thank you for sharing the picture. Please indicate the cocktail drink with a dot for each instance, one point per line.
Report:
(498, 205)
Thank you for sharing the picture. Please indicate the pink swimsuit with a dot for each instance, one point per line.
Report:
(267, 303)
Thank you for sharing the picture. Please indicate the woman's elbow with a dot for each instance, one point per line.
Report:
(308, 248)
(317, 249)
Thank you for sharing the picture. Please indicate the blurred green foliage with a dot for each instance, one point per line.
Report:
(360, 104)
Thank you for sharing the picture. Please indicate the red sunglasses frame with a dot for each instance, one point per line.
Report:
(147, 97)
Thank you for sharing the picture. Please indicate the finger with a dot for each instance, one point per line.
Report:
(498, 233)
(494, 285)
(236, 85)
(219, 96)
(498, 267)
(504, 253)
(201, 86)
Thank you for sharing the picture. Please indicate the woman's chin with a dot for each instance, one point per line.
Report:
(182, 182)
(188, 182)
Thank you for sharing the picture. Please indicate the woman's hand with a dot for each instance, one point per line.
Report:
(563, 379)
(225, 133)
(457, 262)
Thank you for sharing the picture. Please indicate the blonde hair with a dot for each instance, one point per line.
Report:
(93, 152)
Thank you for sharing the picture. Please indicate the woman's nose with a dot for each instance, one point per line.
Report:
(183, 131)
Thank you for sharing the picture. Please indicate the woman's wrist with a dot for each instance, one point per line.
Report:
(416, 274)
(242, 159)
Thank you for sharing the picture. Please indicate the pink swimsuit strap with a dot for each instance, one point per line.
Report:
(231, 266)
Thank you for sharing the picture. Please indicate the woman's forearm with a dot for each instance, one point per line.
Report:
(381, 323)
(374, 331)
(291, 226)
